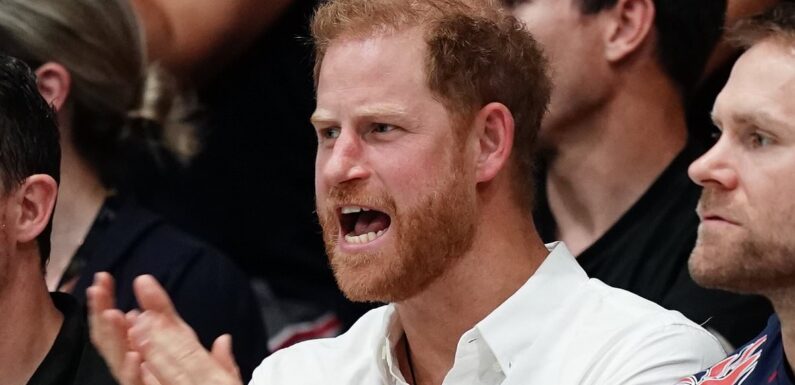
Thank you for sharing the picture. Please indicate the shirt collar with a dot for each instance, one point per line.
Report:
(393, 336)
(527, 310)
(531, 306)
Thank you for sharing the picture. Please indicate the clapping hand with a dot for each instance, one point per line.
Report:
(154, 346)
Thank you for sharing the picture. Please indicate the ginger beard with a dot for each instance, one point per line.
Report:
(745, 259)
(427, 237)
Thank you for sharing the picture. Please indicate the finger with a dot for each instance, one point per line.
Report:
(108, 332)
(152, 296)
(105, 289)
(100, 294)
(100, 299)
(130, 372)
(222, 353)
(132, 316)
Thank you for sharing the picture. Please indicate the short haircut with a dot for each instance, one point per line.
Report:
(777, 23)
(28, 135)
(476, 54)
(687, 32)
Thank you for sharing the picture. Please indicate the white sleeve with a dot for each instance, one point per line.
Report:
(662, 356)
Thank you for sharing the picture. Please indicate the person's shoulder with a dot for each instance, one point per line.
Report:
(157, 240)
(630, 309)
(349, 358)
(643, 332)
(621, 338)
(178, 260)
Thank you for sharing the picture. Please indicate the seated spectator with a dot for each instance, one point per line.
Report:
(114, 111)
(246, 54)
(747, 213)
(613, 184)
(423, 183)
(44, 337)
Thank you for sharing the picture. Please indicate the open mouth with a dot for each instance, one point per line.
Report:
(362, 225)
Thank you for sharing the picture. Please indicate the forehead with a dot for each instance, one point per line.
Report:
(762, 83)
(547, 11)
(380, 68)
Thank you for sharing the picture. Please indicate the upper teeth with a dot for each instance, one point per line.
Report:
(353, 209)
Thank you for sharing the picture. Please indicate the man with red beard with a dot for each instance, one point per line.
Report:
(745, 240)
(426, 116)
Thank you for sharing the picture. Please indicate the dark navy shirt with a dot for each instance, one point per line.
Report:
(758, 362)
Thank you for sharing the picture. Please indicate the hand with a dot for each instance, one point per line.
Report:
(155, 347)
(108, 329)
(171, 352)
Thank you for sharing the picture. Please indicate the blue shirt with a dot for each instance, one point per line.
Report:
(758, 362)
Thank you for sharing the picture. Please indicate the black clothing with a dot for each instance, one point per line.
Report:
(72, 360)
(250, 192)
(208, 291)
(759, 362)
(647, 249)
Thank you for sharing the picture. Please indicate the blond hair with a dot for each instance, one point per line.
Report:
(116, 99)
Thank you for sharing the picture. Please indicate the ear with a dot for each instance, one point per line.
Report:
(35, 200)
(54, 83)
(630, 24)
(495, 131)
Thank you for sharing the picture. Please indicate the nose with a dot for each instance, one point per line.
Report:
(716, 167)
(345, 160)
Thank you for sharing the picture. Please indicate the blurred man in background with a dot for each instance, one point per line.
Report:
(615, 147)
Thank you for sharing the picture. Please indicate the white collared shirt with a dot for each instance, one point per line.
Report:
(559, 328)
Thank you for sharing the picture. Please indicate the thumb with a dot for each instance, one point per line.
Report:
(222, 353)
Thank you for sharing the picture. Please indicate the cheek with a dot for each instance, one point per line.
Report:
(767, 183)
(320, 183)
(418, 169)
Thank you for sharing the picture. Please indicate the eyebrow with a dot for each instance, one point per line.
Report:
(758, 118)
(376, 112)
(320, 117)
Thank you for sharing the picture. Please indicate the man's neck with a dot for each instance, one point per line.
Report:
(80, 197)
(30, 323)
(599, 171)
(436, 319)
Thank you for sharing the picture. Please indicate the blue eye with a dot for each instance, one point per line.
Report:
(382, 127)
(759, 140)
(330, 133)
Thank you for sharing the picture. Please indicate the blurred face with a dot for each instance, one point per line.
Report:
(570, 41)
(395, 197)
(745, 240)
